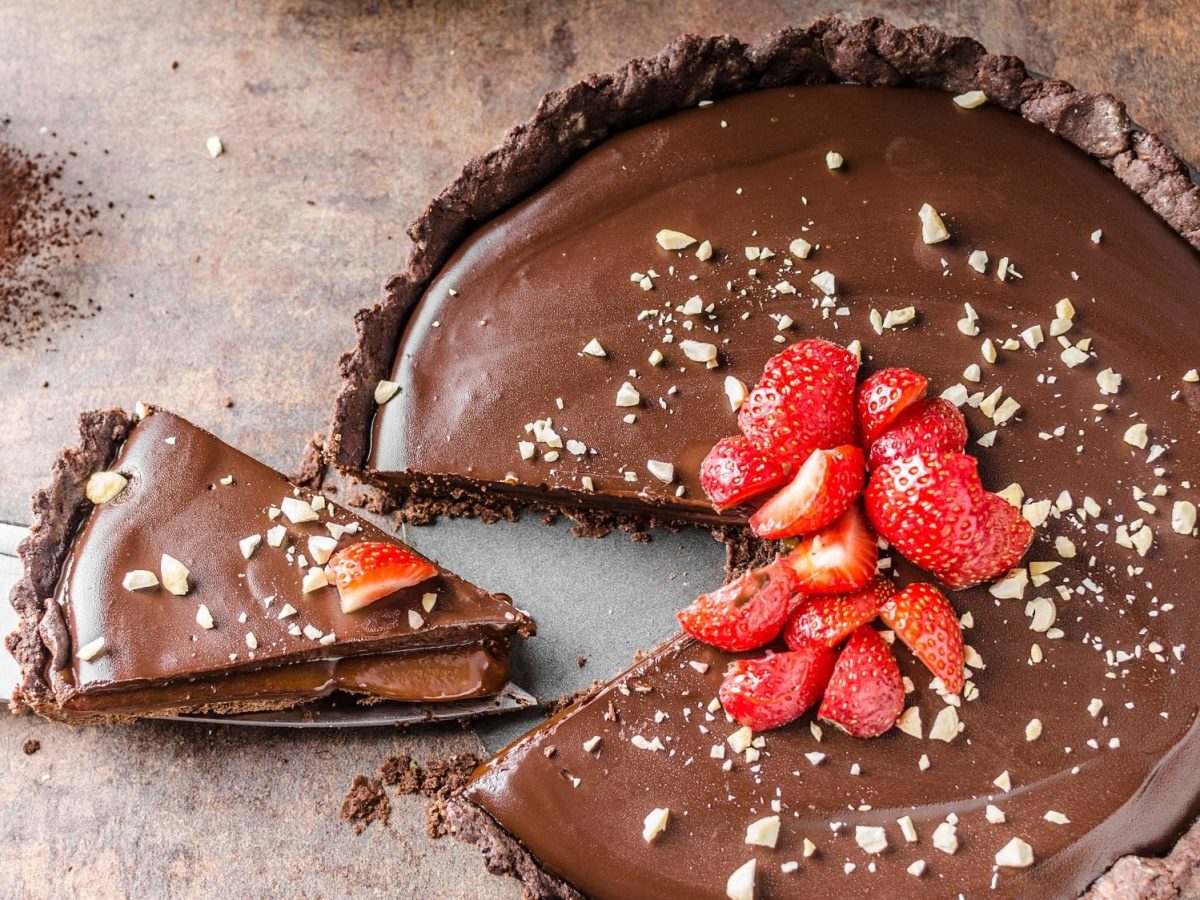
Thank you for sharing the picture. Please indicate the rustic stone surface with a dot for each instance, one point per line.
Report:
(239, 279)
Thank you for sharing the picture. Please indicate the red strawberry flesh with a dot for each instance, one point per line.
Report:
(840, 558)
(929, 426)
(885, 395)
(822, 491)
(735, 471)
(371, 570)
(769, 692)
(925, 621)
(746, 613)
(827, 621)
(865, 694)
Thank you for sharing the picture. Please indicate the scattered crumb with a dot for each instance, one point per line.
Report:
(365, 803)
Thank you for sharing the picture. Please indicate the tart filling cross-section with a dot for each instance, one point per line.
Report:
(167, 572)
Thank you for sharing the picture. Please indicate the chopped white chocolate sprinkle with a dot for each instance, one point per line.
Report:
(1016, 854)
(834, 160)
(740, 885)
(825, 283)
(933, 229)
(736, 391)
(385, 391)
(674, 240)
(897, 317)
(249, 544)
(705, 251)
(871, 838)
(663, 471)
(1136, 436)
(298, 511)
(655, 822)
(945, 838)
(174, 575)
(1109, 381)
(251, 640)
(320, 548)
(995, 814)
(978, 261)
(103, 486)
(203, 617)
(1056, 818)
(276, 535)
(415, 619)
(91, 649)
(593, 348)
(764, 832)
(1183, 517)
(139, 579)
(800, 248)
(627, 395)
(740, 739)
(314, 579)
(945, 725)
(1033, 730)
(699, 351)
(1003, 781)
(285, 611)
(971, 99)
(907, 829)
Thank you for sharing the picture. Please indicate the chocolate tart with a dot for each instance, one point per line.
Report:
(257, 628)
(1083, 733)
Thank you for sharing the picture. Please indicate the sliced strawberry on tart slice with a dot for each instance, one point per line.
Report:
(865, 694)
(824, 488)
(772, 691)
(827, 621)
(840, 558)
(735, 471)
(371, 570)
(928, 426)
(746, 613)
(925, 621)
(884, 396)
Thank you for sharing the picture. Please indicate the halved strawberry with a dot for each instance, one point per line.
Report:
(883, 396)
(370, 570)
(772, 691)
(840, 558)
(933, 509)
(928, 426)
(866, 692)
(923, 618)
(746, 613)
(827, 621)
(823, 489)
(803, 402)
(735, 471)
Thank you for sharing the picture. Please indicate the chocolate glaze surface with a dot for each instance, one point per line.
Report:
(531, 288)
(176, 503)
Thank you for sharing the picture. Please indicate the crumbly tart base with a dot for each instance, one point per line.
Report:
(567, 123)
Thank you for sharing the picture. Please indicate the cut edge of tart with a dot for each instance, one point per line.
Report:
(133, 636)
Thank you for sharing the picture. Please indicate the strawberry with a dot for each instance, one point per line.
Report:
(883, 396)
(735, 470)
(865, 693)
(772, 691)
(840, 558)
(827, 621)
(746, 613)
(923, 618)
(803, 402)
(932, 507)
(928, 426)
(370, 570)
(823, 489)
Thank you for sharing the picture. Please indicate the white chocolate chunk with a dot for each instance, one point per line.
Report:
(825, 283)
(593, 348)
(705, 251)
(1183, 517)
(1109, 381)
(971, 99)
(663, 471)
(249, 544)
(699, 351)
(139, 579)
(251, 640)
(203, 617)
(907, 829)
(736, 391)
(945, 838)
(103, 486)
(674, 240)
(740, 885)
(995, 815)
(415, 620)
(764, 832)
(740, 739)
(286, 611)
(910, 722)
(800, 248)
(320, 548)
(276, 535)
(1016, 854)
(871, 838)
(298, 511)
(655, 822)
(215, 146)
(385, 391)
(945, 725)
(174, 575)
(933, 229)
(834, 160)
(627, 395)
(314, 579)
(1033, 336)
(91, 649)
(1136, 436)
(1033, 729)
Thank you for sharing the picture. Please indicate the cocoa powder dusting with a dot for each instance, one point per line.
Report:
(42, 222)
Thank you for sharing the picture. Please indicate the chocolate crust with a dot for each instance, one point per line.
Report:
(58, 510)
(569, 122)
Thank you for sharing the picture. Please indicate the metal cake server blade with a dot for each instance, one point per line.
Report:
(331, 712)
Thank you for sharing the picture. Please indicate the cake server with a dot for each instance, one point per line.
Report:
(329, 713)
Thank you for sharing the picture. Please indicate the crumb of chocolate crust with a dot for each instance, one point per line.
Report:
(227, 402)
(311, 469)
(31, 746)
(365, 802)
(438, 779)
(581, 661)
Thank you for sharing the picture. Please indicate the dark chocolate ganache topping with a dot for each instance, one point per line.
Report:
(1079, 722)
(229, 520)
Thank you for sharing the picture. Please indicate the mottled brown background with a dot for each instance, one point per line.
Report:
(239, 279)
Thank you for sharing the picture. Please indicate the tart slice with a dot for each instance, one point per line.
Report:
(168, 572)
